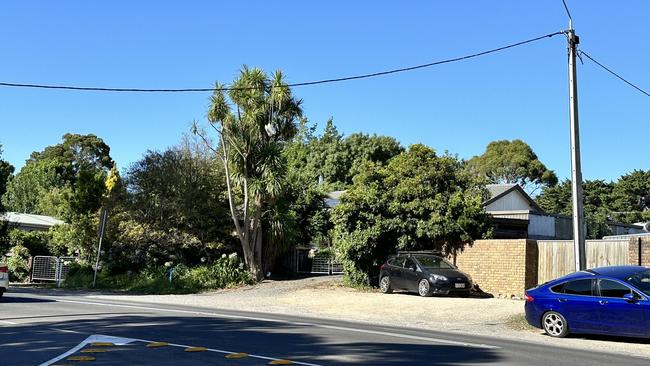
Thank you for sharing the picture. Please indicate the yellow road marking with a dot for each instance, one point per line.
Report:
(102, 344)
(93, 350)
(80, 358)
(236, 356)
(195, 349)
(281, 362)
(157, 344)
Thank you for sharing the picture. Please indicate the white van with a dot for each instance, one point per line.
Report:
(4, 278)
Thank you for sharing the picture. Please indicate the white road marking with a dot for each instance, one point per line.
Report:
(122, 341)
(93, 338)
(229, 352)
(66, 330)
(347, 329)
(8, 322)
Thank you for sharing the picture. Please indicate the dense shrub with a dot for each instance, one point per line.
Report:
(227, 271)
(418, 201)
(18, 264)
(36, 242)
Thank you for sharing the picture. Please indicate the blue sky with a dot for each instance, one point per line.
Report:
(460, 107)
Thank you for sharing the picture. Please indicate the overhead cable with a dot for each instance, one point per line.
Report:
(306, 83)
(583, 53)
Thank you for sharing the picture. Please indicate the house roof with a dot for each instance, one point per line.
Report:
(501, 190)
(333, 198)
(30, 220)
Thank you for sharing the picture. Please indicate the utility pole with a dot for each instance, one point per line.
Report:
(576, 171)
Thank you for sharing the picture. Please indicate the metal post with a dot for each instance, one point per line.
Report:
(57, 271)
(102, 226)
(576, 171)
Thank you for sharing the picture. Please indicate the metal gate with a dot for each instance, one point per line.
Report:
(325, 264)
(319, 263)
(48, 268)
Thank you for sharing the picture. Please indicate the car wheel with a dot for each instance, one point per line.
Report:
(424, 288)
(384, 285)
(555, 324)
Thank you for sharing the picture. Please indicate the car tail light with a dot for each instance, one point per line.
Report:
(4, 269)
(528, 298)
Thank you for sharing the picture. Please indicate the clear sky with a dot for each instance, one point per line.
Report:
(460, 107)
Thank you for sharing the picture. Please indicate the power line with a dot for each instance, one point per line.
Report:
(583, 53)
(306, 83)
(567, 10)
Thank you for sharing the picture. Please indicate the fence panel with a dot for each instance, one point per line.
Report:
(556, 257)
(44, 268)
(49, 268)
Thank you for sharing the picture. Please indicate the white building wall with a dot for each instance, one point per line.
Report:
(513, 201)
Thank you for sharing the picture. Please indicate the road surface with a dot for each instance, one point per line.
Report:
(36, 326)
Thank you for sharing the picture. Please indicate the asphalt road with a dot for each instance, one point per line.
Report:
(39, 325)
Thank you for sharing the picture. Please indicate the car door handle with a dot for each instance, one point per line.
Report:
(561, 300)
(603, 302)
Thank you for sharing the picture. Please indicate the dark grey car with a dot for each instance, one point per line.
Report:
(425, 274)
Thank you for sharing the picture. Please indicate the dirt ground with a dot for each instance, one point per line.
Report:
(326, 297)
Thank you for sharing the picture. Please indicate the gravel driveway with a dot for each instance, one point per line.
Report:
(326, 297)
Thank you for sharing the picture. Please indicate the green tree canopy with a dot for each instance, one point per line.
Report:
(181, 188)
(253, 122)
(66, 180)
(334, 158)
(63, 180)
(512, 162)
(632, 196)
(419, 200)
(320, 164)
(604, 202)
(6, 172)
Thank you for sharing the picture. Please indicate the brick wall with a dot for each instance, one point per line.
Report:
(645, 251)
(503, 268)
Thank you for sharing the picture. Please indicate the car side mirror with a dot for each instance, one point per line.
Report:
(413, 268)
(629, 297)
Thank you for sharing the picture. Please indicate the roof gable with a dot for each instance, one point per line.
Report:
(499, 191)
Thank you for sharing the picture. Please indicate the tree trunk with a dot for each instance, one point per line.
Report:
(256, 241)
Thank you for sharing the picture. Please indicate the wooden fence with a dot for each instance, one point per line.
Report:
(556, 257)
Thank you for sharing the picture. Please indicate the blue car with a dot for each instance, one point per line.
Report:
(607, 300)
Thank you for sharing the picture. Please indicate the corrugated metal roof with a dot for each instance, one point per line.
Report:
(22, 219)
(498, 189)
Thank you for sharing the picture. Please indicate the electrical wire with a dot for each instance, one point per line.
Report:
(567, 10)
(583, 53)
(306, 83)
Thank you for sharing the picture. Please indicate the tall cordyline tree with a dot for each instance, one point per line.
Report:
(253, 121)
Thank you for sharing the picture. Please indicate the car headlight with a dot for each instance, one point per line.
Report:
(435, 277)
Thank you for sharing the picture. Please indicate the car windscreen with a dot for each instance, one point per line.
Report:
(641, 280)
(431, 262)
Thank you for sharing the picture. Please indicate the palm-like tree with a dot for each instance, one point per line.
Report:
(253, 121)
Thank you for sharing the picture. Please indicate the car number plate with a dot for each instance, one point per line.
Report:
(459, 285)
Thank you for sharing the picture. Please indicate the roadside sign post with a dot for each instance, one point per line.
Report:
(102, 227)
